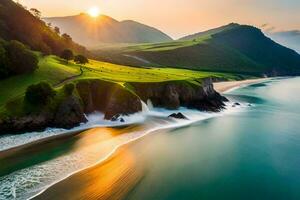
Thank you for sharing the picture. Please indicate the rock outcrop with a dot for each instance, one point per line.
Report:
(69, 113)
(171, 95)
(109, 98)
(178, 116)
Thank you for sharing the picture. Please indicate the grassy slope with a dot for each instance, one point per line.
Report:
(202, 54)
(55, 70)
(240, 49)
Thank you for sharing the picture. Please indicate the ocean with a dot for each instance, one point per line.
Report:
(251, 154)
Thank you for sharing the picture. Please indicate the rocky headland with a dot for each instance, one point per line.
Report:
(115, 99)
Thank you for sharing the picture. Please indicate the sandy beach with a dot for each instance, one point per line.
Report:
(225, 86)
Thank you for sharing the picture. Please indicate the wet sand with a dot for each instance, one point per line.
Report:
(225, 86)
(112, 179)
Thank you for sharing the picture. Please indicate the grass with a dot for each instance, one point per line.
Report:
(54, 70)
(50, 69)
(153, 47)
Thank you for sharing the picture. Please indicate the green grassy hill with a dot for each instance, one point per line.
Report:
(239, 49)
(209, 32)
(55, 71)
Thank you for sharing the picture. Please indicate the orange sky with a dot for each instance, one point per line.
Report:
(182, 17)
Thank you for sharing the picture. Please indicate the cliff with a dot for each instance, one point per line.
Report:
(113, 99)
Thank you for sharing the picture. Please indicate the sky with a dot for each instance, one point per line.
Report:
(182, 17)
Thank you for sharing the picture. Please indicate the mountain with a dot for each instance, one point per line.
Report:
(239, 49)
(289, 39)
(17, 23)
(104, 29)
(209, 32)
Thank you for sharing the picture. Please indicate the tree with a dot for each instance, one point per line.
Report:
(35, 12)
(20, 59)
(67, 38)
(57, 30)
(39, 94)
(69, 89)
(80, 59)
(67, 54)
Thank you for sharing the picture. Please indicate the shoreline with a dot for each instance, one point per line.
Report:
(112, 178)
(222, 86)
(73, 183)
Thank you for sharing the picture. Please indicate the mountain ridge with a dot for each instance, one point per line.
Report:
(104, 29)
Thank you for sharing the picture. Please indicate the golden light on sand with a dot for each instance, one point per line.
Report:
(94, 11)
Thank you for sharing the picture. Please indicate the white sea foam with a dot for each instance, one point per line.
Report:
(28, 182)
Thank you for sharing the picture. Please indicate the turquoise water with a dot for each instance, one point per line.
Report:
(252, 154)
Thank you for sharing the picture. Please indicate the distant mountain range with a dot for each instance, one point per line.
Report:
(289, 39)
(91, 32)
(233, 48)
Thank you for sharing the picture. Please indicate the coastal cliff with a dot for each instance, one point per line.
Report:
(114, 99)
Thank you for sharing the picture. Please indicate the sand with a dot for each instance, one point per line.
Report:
(225, 86)
(112, 179)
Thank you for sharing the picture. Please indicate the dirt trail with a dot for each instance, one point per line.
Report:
(68, 79)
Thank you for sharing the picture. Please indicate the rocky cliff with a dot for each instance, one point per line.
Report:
(113, 99)
(172, 95)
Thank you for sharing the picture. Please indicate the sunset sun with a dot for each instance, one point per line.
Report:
(94, 11)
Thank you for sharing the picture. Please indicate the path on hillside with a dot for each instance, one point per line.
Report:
(69, 78)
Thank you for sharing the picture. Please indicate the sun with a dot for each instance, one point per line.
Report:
(94, 11)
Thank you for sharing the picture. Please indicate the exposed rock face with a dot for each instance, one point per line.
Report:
(109, 98)
(27, 123)
(69, 113)
(178, 116)
(172, 95)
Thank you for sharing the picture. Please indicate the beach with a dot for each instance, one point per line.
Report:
(228, 85)
(112, 179)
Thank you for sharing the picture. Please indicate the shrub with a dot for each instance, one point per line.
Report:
(67, 54)
(80, 59)
(3, 66)
(69, 89)
(16, 58)
(39, 94)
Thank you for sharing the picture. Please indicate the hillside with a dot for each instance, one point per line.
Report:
(240, 49)
(63, 93)
(54, 70)
(290, 39)
(16, 23)
(104, 29)
(209, 32)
